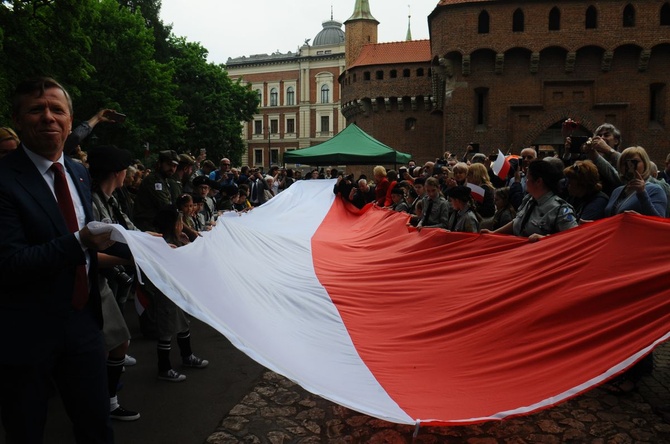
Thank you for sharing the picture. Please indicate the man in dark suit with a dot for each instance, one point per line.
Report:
(257, 187)
(50, 314)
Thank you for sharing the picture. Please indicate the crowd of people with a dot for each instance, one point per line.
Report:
(50, 189)
(537, 197)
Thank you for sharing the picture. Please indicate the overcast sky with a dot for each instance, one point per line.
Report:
(233, 28)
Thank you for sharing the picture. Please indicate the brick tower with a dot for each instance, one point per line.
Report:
(359, 29)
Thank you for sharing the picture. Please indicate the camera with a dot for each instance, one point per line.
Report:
(576, 143)
(568, 127)
(120, 275)
(630, 168)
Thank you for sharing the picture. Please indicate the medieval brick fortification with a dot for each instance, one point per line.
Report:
(507, 74)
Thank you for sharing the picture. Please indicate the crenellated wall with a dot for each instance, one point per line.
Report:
(508, 89)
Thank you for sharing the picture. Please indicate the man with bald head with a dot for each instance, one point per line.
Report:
(222, 172)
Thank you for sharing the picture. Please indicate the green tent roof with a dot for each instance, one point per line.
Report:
(352, 146)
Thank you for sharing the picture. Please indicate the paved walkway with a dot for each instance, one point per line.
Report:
(278, 411)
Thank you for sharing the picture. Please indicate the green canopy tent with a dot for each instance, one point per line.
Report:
(352, 146)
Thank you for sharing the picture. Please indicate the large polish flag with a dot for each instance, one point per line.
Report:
(426, 327)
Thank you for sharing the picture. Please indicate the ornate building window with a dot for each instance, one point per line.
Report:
(325, 94)
(260, 97)
(325, 124)
(258, 127)
(274, 126)
(483, 23)
(628, 16)
(274, 156)
(274, 96)
(258, 156)
(591, 17)
(290, 126)
(290, 96)
(665, 14)
(554, 19)
(518, 21)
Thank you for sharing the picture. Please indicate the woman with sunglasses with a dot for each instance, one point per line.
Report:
(637, 193)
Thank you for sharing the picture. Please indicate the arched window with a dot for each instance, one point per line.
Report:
(665, 14)
(518, 21)
(628, 16)
(273, 97)
(483, 23)
(290, 96)
(554, 19)
(325, 94)
(591, 18)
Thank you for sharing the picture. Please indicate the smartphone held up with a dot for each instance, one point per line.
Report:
(115, 117)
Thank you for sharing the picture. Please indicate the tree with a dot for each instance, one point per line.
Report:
(150, 10)
(119, 54)
(214, 105)
(43, 37)
(129, 79)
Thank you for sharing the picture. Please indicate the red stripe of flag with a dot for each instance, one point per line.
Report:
(501, 166)
(477, 192)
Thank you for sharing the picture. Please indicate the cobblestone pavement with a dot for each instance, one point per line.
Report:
(279, 411)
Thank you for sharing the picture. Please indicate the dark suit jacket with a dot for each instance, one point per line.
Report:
(38, 258)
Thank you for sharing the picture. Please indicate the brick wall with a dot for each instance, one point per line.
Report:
(536, 78)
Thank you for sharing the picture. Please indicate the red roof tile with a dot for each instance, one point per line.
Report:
(413, 51)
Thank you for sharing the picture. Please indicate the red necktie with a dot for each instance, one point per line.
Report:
(80, 296)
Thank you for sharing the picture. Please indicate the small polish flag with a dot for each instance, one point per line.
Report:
(501, 166)
(477, 192)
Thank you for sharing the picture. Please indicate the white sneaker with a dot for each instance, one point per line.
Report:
(129, 361)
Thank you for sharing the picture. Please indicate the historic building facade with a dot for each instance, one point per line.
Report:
(299, 96)
(506, 74)
(387, 88)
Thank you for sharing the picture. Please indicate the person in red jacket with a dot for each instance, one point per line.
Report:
(381, 185)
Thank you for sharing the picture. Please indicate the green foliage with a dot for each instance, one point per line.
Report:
(214, 104)
(42, 37)
(118, 54)
(129, 79)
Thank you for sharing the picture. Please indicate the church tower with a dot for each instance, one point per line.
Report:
(359, 29)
